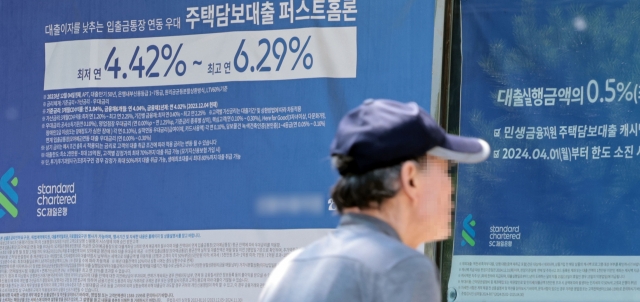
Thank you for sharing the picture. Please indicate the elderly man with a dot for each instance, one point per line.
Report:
(394, 194)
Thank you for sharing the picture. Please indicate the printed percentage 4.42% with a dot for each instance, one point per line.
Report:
(136, 64)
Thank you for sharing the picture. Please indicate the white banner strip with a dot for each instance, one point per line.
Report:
(289, 54)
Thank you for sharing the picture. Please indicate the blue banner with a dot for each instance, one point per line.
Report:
(192, 115)
(553, 87)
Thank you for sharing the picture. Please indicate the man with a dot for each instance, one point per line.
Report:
(394, 194)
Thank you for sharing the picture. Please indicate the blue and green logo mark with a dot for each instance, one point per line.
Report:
(468, 233)
(7, 183)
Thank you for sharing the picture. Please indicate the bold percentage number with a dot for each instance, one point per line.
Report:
(620, 87)
(166, 53)
(279, 49)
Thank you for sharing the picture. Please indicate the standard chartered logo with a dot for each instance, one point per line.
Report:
(8, 197)
(468, 233)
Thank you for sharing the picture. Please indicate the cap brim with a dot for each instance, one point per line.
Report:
(462, 149)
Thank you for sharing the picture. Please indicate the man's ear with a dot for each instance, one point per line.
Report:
(408, 174)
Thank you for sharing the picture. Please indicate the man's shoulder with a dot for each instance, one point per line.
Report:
(372, 251)
(347, 266)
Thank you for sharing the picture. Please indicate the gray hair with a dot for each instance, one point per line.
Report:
(366, 190)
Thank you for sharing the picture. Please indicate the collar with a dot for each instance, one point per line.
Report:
(369, 222)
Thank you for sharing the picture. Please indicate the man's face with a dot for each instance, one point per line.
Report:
(435, 206)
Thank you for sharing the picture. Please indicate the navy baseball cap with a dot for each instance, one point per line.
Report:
(382, 133)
